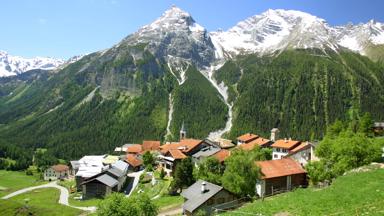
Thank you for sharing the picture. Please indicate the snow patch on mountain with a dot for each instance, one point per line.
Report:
(13, 65)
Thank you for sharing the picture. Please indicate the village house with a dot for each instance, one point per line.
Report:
(225, 143)
(151, 145)
(260, 141)
(222, 155)
(110, 180)
(88, 166)
(246, 138)
(134, 161)
(204, 152)
(122, 149)
(55, 172)
(173, 152)
(279, 176)
(283, 147)
(303, 153)
(205, 196)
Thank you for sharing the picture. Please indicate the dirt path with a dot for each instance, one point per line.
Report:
(64, 195)
(173, 211)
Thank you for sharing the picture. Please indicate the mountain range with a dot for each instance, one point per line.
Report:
(282, 68)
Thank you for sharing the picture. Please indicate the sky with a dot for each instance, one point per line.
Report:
(63, 29)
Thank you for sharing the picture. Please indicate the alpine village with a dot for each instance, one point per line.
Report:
(283, 115)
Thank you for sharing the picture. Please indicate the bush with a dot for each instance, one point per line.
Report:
(162, 173)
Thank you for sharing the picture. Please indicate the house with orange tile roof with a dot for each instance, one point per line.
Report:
(260, 141)
(246, 138)
(54, 172)
(222, 155)
(303, 153)
(174, 152)
(134, 149)
(135, 163)
(151, 145)
(283, 147)
(279, 176)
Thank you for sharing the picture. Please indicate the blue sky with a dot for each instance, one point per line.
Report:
(66, 28)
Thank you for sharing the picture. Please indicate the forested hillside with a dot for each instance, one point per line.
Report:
(301, 91)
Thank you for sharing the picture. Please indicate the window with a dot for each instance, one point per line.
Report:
(275, 156)
(285, 150)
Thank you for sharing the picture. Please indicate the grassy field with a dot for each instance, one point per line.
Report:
(352, 194)
(159, 193)
(11, 181)
(40, 202)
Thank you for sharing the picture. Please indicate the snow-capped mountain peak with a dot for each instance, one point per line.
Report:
(275, 30)
(13, 65)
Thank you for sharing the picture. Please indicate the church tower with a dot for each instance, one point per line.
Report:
(183, 132)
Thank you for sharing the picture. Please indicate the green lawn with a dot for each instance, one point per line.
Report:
(353, 194)
(159, 192)
(40, 202)
(11, 181)
(167, 201)
(82, 203)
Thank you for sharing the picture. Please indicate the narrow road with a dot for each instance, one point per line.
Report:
(64, 195)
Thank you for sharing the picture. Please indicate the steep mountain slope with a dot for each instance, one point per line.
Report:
(119, 95)
(168, 72)
(301, 91)
(13, 65)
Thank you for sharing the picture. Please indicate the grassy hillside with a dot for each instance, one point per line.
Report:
(11, 181)
(40, 202)
(353, 194)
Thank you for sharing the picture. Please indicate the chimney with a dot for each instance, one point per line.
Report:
(285, 140)
(203, 188)
(274, 134)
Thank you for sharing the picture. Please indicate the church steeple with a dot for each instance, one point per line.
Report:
(183, 132)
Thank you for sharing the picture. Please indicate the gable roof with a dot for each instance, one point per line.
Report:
(121, 165)
(285, 144)
(176, 154)
(257, 142)
(279, 168)
(60, 167)
(135, 148)
(247, 137)
(222, 155)
(195, 197)
(301, 147)
(185, 145)
(206, 151)
(104, 179)
(116, 172)
(151, 145)
(133, 160)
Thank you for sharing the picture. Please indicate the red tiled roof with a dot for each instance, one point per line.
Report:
(185, 145)
(135, 148)
(189, 144)
(60, 168)
(300, 147)
(133, 160)
(151, 145)
(247, 137)
(177, 154)
(257, 142)
(285, 144)
(278, 168)
(222, 155)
